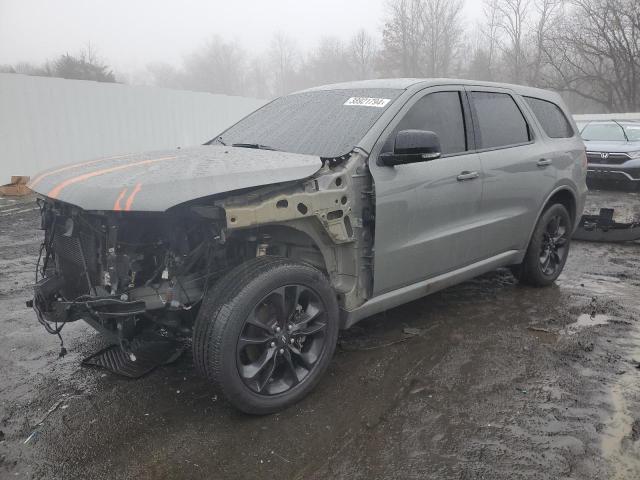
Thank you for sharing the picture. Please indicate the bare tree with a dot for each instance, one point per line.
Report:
(421, 37)
(219, 67)
(548, 18)
(403, 38)
(86, 65)
(258, 84)
(443, 29)
(513, 16)
(491, 32)
(595, 53)
(165, 75)
(478, 64)
(363, 52)
(284, 58)
(329, 63)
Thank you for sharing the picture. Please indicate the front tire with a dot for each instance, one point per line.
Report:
(548, 249)
(266, 333)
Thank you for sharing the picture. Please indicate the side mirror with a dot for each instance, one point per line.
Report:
(411, 146)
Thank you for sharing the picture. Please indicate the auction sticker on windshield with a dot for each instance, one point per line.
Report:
(367, 102)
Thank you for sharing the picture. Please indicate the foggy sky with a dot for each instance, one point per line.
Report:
(128, 34)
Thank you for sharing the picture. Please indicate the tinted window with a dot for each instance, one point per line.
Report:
(605, 132)
(327, 123)
(441, 113)
(553, 121)
(500, 122)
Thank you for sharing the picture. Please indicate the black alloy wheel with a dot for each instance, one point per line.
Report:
(266, 332)
(548, 248)
(553, 249)
(282, 339)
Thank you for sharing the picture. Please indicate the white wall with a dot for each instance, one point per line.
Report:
(46, 122)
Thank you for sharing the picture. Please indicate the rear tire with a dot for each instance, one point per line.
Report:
(548, 249)
(266, 333)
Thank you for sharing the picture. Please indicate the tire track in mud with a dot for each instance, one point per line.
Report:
(621, 440)
(556, 410)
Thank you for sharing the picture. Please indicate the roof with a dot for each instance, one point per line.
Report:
(418, 83)
(394, 83)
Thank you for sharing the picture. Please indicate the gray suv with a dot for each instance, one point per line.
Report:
(319, 209)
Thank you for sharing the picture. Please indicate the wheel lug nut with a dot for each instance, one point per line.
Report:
(289, 327)
(277, 329)
(292, 340)
(273, 344)
(281, 351)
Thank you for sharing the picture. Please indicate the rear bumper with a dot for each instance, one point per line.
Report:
(622, 172)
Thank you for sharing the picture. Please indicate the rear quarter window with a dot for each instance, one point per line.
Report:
(551, 118)
(499, 121)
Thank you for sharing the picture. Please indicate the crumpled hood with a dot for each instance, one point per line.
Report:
(611, 147)
(156, 181)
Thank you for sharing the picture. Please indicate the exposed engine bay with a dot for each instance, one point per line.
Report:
(124, 273)
(127, 273)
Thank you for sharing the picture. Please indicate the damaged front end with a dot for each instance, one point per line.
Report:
(125, 273)
(133, 273)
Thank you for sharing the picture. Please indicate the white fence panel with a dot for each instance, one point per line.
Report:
(45, 122)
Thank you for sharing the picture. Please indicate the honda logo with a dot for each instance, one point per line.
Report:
(604, 155)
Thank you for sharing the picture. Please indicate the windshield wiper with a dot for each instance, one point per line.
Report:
(254, 145)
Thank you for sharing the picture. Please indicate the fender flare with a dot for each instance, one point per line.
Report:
(557, 188)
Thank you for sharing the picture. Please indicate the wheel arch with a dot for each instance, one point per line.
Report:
(564, 195)
(303, 243)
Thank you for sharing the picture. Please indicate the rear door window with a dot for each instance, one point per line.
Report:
(553, 121)
(499, 121)
(441, 113)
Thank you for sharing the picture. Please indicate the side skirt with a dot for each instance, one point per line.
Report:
(426, 287)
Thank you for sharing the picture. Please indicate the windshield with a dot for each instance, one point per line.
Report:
(612, 132)
(632, 130)
(326, 123)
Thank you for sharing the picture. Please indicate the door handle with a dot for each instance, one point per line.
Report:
(466, 175)
(544, 162)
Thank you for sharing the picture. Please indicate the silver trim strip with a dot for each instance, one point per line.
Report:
(616, 172)
(621, 154)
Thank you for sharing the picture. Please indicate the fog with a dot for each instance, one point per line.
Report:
(129, 34)
(588, 50)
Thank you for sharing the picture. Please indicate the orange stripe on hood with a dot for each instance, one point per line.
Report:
(116, 206)
(80, 178)
(39, 178)
(127, 206)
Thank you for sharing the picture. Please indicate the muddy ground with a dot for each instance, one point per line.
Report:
(487, 379)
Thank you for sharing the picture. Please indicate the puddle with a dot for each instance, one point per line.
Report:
(586, 320)
(544, 336)
(597, 284)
